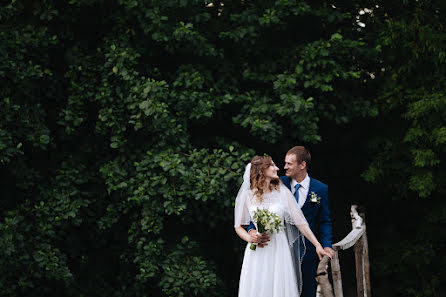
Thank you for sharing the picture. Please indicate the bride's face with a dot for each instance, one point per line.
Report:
(271, 171)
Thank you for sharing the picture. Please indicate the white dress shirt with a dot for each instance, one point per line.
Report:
(303, 190)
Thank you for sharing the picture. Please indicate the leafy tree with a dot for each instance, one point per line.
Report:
(125, 127)
(408, 149)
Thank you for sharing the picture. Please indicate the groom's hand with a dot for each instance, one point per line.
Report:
(260, 239)
(330, 251)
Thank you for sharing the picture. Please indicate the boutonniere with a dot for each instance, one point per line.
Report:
(315, 198)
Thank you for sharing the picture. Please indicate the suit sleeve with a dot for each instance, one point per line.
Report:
(325, 225)
(251, 226)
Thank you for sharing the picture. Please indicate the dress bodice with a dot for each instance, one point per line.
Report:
(280, 201)
(269, 201)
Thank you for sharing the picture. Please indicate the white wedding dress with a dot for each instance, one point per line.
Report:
(271, 271)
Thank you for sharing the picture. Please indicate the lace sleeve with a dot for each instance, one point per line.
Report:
(293, 214)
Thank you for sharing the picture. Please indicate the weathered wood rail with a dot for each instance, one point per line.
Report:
(358, 239)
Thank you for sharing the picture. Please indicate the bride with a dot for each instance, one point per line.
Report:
(274, 270)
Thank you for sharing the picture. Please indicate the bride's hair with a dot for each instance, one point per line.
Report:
(257, 176)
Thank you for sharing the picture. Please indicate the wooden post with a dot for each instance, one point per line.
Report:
(336, 274)
(365, 254)
(359, 260)
(322, 277)
(368, 288)
(362, 263)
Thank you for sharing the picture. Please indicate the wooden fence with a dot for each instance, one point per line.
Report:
(357, 239)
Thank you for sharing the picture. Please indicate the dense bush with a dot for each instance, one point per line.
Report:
(125, 127)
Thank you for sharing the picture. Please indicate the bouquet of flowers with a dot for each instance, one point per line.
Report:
(267, 221)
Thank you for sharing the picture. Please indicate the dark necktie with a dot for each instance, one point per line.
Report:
(296, 193)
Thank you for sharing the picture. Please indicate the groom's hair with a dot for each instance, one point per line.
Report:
(301, 153)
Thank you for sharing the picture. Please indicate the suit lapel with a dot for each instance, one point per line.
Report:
(310, 189)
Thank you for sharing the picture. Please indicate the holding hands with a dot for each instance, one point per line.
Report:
(321, 252)
(330, 251)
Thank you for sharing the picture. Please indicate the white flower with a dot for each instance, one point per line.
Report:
(315, 198)
(268, 226)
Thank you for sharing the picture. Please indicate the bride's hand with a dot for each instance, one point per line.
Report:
(321, 252)
(260, 239)
(254, 236)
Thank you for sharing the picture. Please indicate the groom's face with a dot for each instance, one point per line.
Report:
(293, 169)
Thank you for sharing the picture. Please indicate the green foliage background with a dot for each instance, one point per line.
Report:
(125, 126)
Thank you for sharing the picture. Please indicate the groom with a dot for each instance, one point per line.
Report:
(312, 197)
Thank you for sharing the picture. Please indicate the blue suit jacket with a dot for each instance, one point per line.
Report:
(317, 214)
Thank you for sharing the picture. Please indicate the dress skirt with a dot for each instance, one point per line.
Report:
(269, 271)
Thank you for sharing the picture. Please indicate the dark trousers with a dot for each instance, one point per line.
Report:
(309, 267)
